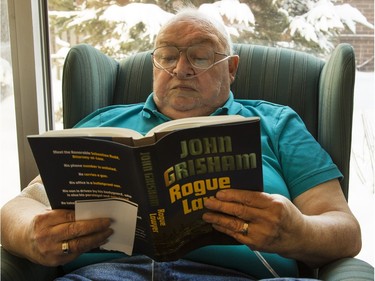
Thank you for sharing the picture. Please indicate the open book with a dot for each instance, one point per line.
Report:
(152, 186)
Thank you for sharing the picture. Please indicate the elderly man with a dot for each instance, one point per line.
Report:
(301, 216)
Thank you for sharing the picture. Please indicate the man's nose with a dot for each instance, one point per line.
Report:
(183, 67)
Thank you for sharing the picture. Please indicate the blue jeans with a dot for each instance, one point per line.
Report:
(141, 268)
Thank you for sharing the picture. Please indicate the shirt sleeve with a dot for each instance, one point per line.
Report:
(35, 190)
(303, 161)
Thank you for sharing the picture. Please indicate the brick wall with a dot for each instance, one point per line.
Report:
(363, 39)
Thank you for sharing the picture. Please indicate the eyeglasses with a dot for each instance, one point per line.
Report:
(200, 57)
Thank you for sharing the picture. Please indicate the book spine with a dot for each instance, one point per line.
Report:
(147, 197)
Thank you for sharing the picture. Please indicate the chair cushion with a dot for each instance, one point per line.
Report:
(281, 76)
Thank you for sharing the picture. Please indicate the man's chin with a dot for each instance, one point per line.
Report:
(184, 96)
(183, 111)
(184, 103)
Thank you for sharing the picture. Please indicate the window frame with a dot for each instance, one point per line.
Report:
(31, 77)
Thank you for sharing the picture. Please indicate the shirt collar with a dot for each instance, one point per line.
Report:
(150, 109)
(231, 107)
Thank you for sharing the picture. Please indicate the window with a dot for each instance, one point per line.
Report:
(119, 28)
(8, 137)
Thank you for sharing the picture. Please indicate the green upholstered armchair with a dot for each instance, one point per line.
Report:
(322, 94)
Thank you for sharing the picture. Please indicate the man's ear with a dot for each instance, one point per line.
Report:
(233, 66)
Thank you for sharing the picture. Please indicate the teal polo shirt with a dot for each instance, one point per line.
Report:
(288, 166)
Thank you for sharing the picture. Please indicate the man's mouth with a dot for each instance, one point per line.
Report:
(183, 87)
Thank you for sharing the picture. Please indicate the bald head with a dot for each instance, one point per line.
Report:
(215, 30)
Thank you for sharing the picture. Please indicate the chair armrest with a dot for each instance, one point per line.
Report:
(336, 108)
(346, 269)
(18, 269)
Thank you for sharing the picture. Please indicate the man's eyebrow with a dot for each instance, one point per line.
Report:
(193, 42)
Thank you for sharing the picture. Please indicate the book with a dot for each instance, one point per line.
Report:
(153, 187)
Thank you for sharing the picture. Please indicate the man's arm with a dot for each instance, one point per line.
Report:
(318, 228)
(334, 231)
(30, 229)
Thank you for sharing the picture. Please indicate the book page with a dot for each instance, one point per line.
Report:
(124, 216)
(94, 132)
(193, 122)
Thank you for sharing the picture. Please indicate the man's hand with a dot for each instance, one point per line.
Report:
(315, 228)
(271, 222)
(49, 230)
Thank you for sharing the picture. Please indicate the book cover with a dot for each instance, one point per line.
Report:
(167, 175)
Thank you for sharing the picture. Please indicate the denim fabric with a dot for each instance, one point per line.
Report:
(141, 268)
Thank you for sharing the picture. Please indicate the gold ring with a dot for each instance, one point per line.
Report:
(65, 247)
(245, 228)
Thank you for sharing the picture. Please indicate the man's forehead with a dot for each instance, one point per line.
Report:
(187, 35)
